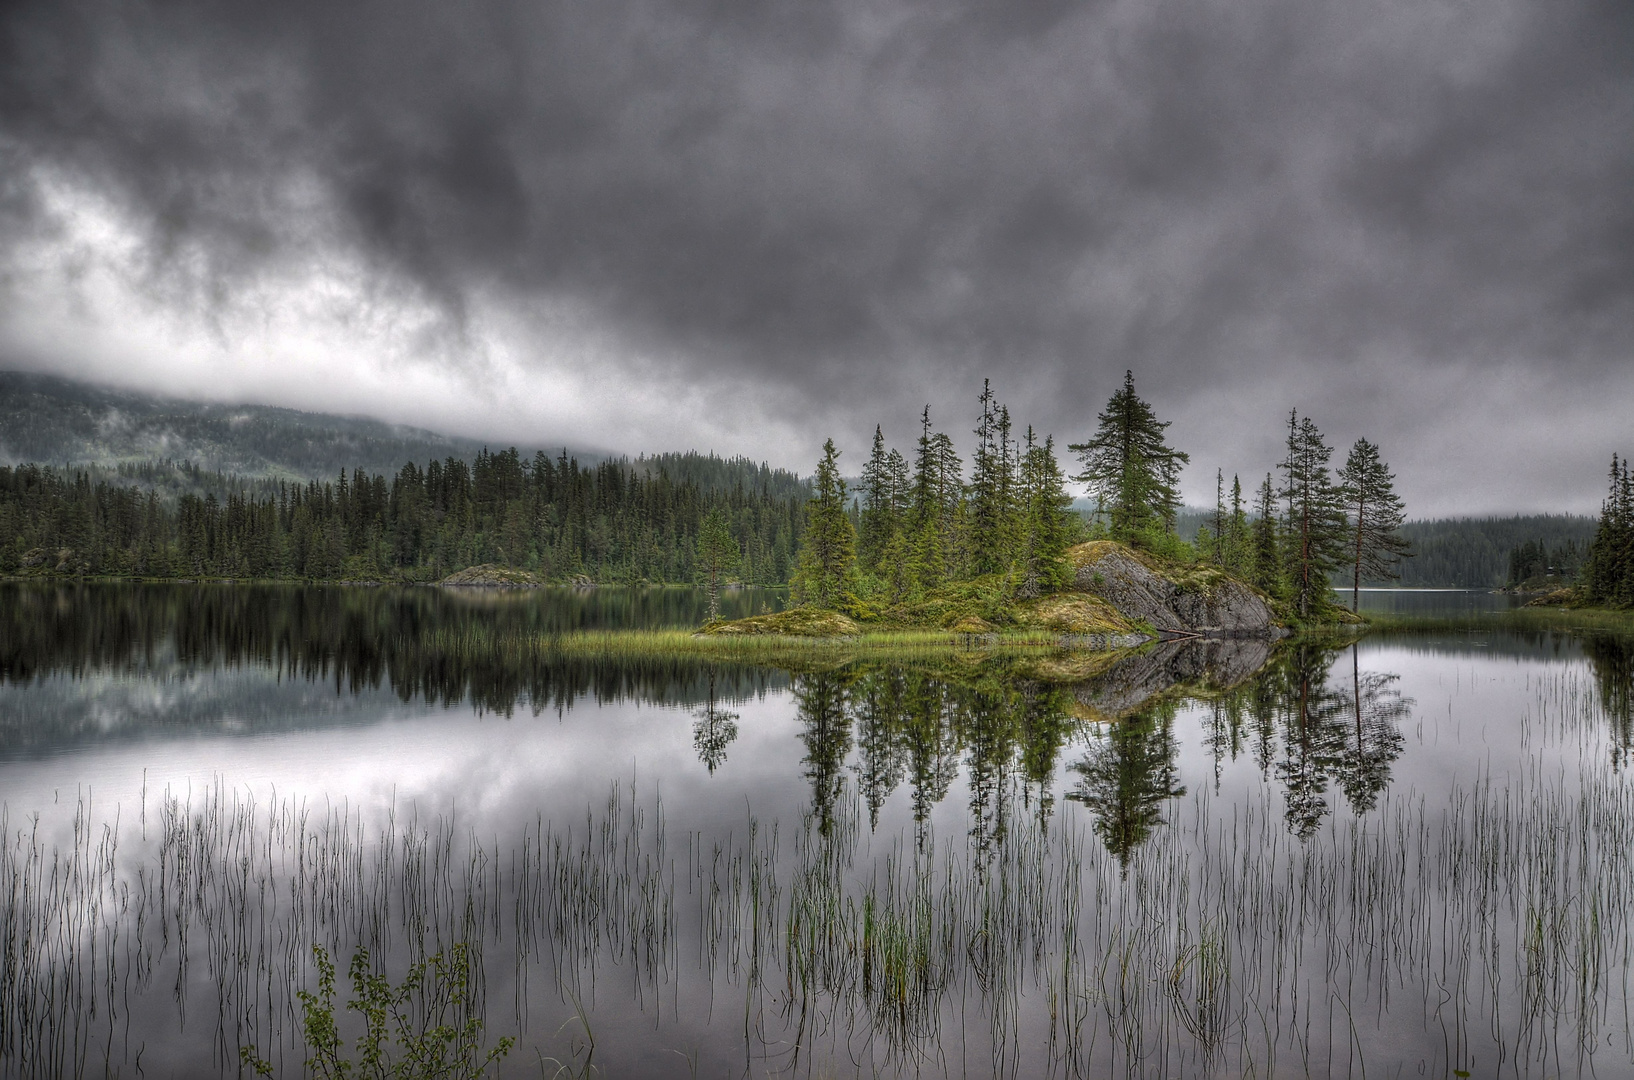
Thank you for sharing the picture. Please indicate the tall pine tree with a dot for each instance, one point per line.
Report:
(1610, 573)
(1376, 512)
(878, 517)
(1266, 559)
(828, 554)
(1315, 528)
(991, 514)
(1130, 470)
(1047, 519)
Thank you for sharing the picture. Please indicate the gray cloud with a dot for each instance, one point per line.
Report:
(1381, 212)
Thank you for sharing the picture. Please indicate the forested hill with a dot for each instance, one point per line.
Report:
(721, 476)
(1474, 552)
(54, 421)
(1453, 553)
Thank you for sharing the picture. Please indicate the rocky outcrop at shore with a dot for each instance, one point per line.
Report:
(492, 577)
(1173, 599)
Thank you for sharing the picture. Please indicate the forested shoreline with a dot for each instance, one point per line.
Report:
(913, 524)
(1608, 579)
(615, 521)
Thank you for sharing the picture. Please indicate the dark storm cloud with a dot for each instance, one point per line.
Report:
(879, 201)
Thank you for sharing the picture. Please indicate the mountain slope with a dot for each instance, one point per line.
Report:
(50, 420)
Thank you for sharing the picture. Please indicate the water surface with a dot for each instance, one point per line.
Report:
(1406, 856)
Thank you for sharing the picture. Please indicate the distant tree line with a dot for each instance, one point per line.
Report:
(1609, 576)
(1536, 562)
(919, 526)
(613, 521)
(1479, 553)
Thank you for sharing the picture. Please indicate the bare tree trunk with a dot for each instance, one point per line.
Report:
(1356, 582)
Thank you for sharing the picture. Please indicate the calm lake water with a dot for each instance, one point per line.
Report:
(1408, 856)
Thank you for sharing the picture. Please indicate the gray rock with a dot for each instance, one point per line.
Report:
(1135, 679)
(1226, 608)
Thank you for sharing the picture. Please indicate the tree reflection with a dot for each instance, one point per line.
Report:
(1127, 775)
(1313, 735)
(1377, 711)
(713, 730)
(1611, 658)
(1311, 731)
(826, 731)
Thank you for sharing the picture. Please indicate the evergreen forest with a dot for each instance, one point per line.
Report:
(1608, 579)
(614, 521)
(917, 520)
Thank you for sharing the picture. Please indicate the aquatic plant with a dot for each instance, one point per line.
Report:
(423, 1028)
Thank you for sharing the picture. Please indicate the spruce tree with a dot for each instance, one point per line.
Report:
(717, 549)
(1128, 467)
(1266, 562)
(828, 553)
(990, 509)
(1219, 518)
(1315, 528)
(1610, 572)
(879, 505)
(1376, 512)
(1237, 557)
(1047, 518)
(927, 555)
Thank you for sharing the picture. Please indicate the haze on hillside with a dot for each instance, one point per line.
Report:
(635, 225)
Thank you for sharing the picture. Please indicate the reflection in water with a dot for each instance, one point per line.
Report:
(1127, 776)
(1612, 659)
(713, 730)
(756, 952)
(918, 726)
(928, 908)
(488, 647)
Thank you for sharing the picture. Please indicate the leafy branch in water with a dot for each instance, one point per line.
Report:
(424, 1028)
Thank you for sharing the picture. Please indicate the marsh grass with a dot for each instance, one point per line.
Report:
(1491, 920)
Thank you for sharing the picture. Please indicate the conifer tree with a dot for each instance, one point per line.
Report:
(928, 555)
(1219, 518)
(1237, 560)
(990, 509)
(1128, 467)
(828, 554)
(878, 512)
(938, 504)
(1376, 512)
(1610, 572)
(717, 549)
(1047, 518)
(895, 565)
(1266, 562)
(1315, 528)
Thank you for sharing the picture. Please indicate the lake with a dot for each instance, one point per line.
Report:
(1408, 854)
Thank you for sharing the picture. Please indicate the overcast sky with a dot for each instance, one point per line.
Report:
(745, 226)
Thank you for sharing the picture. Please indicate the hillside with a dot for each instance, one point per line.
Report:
(1454, 553)
(1473, 553)
(54, 421)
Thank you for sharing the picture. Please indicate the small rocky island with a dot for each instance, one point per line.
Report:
(1115, 597)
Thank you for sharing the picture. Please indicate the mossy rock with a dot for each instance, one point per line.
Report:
(1169, 595)
(972, 624)
(796, 622)
(1075, 613)
(489, 575)
(1567, 597)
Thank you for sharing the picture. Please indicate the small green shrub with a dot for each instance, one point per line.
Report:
(424, 1028)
